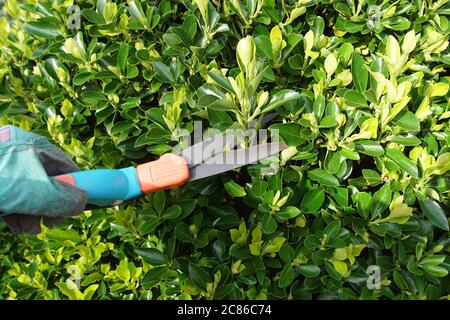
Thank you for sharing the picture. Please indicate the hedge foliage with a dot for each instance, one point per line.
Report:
(361, 94)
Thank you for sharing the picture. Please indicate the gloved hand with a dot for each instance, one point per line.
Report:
(27, 193)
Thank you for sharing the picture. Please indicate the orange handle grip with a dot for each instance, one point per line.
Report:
(168, 171)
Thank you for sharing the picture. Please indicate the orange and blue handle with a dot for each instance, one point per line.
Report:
(107, 187)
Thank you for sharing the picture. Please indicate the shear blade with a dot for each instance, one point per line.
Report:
(201, 151)
(229, 160)
(204, 150)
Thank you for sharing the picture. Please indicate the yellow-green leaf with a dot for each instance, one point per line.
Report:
(75, 47)
(441, 166)
(356, 250)
(369, 130)
(276, 39)
(392, 51)
(256, 235)
(330, 64)
(70, 289)
(203, 7)
(400, 212)
(239, 236)
(308, 41)
(109, 12)
(423, 111)
(340, 254)
(409, 42)
(246, 51)
(255, 248)
(437, 89)
(297, 12)
(340, 267)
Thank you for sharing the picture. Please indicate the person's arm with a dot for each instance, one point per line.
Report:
(28, 194)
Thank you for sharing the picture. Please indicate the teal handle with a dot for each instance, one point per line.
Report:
(106, 187)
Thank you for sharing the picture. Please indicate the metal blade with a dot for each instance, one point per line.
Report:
(233, 159)
(203, 150)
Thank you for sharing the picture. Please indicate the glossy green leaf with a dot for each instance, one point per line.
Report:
(381, 200)
(288, 212)
(172, 212)
(121, 126)
(45, 27)
(372, 177)
(289, 132)
(199, 276)
(328, 122)
(435, 214)
(182, 233)
(234, 189)
(163, 72)
(80, 78)
(360, 74)
(371, 148)
(403, 162)
(364, 203)
(355, 99)
(280, 98)
(122, 56)
(323, 177)
(153, 276)
(332, 229)
(406, 140)
(151, 256)
(436, 271)
(309, 270)
(264, 46)
(407, 120)
(319, 106)
(287, 276)
(159, 200)
(268, 224)
(313, 200)
(61, 235)
(221, 80)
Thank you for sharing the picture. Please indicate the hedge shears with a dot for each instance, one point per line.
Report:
(109, 187)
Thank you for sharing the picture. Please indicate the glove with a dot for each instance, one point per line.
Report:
(27, 193)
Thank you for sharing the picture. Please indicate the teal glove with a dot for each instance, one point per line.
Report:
(27, 193)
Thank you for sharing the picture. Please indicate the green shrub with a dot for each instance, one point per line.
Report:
(362, 102)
